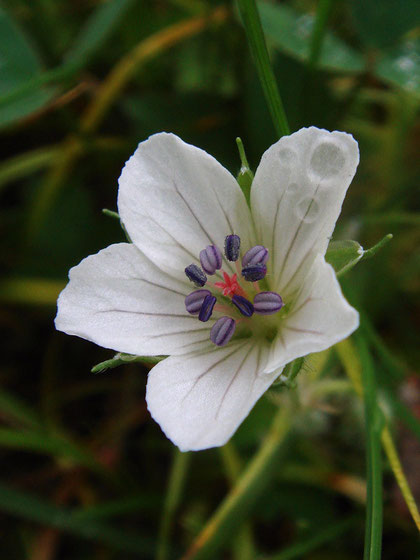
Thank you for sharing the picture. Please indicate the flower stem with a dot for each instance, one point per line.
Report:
(248, 488)
(320, 27)
(252, 23)
(173, 495)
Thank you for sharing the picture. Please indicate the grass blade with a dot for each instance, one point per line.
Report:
(374, 424)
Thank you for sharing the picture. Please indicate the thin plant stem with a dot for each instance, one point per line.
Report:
(373, 423)
(175, 487)
(243, 546)
(397, 469)
(241, 498)
(254, 32)
(319, 30)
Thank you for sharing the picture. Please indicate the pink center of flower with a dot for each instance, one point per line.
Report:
(230, 286)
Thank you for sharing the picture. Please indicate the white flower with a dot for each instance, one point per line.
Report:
(175, 202)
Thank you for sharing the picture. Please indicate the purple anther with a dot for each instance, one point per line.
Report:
(255, 255)
(211, 259)
(267, 303)
(254, 272)
(194, 301)
(222, 331)
(196, 275)
(232, 246)
(244, 306)
(207, 308)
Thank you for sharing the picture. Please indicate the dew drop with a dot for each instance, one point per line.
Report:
(307, 210)
(327, 160)
(293, 189)
(287, 156)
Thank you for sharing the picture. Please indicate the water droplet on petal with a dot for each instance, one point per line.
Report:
(293, 189)
(307, 210)
(327, 160)
(287, 157)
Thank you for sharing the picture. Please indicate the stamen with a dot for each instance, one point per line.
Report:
(232, 246)
(222, 331)
(194, 301)
(211, 259)
(244, 306)
(196, 275)
(254, 272)
(207, 308)
(255, 255)
(267, 303)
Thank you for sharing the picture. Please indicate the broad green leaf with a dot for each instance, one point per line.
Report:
(382, 22)
(343, 255)
(291, 32)
(19, 63)
(401, 66)
(97, 29)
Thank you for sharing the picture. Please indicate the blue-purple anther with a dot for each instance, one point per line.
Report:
(244, 306)
(194, 301)
(202, 302)
(222, 331)
(255, 255)
(206, 308)
(254, 272)
(267, 303)
(232, 246)
(196, 275)
(211, 259)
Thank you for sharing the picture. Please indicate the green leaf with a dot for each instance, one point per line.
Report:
(121, 359)
(401, 66)
(383, 22)
(28, 507)
(97, 29)
(343, 255)
(291, 33)
(20, 62)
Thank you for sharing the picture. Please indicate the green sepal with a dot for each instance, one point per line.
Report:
(245, 175)
(288, 375)
(344, 255)
(121, 359)
(116, 216)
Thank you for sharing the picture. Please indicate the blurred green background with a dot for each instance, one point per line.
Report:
(84, 470)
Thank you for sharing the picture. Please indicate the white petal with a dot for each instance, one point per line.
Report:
(320, 317)
(296, 198)
(120, 300)
(175, 199)
(199, 400)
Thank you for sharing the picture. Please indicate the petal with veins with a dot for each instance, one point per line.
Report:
(296, 198)
(200, 399)
(175, 199)
(120, 300)
(320, 317)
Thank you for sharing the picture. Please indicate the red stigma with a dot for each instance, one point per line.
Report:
(230, 286)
